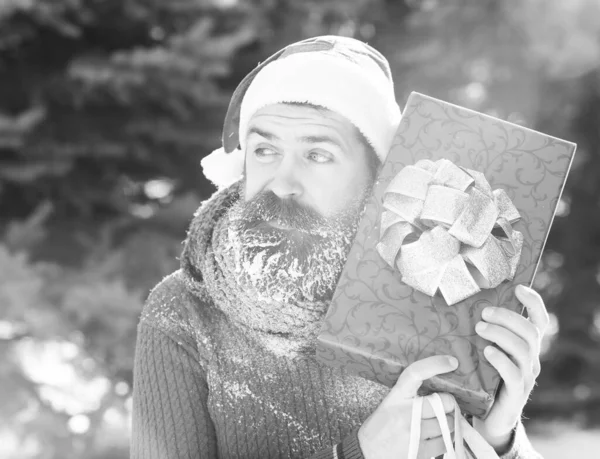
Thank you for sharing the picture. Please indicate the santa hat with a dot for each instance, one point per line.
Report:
(341, 74)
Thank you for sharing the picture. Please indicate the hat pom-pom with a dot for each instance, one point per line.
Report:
(223, 169)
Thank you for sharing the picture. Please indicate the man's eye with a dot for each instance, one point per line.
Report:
(318, 157)
(264, 153)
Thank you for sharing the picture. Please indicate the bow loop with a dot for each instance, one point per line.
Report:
(454, 214)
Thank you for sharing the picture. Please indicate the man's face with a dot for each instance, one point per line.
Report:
(314, 157)
(307, 176)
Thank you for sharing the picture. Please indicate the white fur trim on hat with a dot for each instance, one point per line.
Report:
(354, 87)
(223, 169)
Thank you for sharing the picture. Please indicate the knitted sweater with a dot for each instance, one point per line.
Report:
(205, 388)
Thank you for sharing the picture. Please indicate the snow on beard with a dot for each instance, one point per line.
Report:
(302, 261)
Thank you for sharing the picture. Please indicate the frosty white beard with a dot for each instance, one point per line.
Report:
(296, 265)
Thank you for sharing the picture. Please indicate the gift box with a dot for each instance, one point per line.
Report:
(461, 190)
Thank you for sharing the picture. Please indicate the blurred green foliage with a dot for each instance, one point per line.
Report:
(106, 108)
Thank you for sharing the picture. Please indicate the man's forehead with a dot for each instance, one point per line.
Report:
(300, 120)
(295, 110)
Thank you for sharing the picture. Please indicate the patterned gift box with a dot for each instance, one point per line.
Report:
(377, 324)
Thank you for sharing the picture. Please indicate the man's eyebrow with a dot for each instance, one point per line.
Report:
(320, 139)
(260, 132)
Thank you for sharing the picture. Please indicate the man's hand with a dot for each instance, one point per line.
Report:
(517, 361)
(386, 433)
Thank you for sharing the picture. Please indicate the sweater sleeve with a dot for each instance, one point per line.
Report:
(170, 417)
(348, 448)
(521, 447)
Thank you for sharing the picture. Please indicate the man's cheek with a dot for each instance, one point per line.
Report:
(251, 189)
(322, 196)
(334, 203)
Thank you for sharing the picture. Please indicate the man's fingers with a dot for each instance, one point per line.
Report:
(430, 428)
(447, 401)
(413, 376)
(513, 345)
(516, 323)
(536, 309)
(508, 370)
(432, 448)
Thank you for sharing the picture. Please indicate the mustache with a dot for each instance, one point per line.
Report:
(267, 206)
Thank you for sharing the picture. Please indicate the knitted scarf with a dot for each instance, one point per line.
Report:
(207, 262)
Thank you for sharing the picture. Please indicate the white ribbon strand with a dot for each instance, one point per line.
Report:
(463, 432)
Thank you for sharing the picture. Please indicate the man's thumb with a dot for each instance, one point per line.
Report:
(413, 376)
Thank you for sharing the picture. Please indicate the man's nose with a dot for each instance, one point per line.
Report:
(286, 181)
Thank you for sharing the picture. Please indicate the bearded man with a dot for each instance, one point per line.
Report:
(225, 360)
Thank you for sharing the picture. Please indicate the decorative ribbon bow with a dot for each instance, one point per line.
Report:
(463, 432)
(451, 212)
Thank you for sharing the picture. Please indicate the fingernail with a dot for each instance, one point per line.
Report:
(489, 350)
(480, 327)
(488, 312)
(452, 361)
